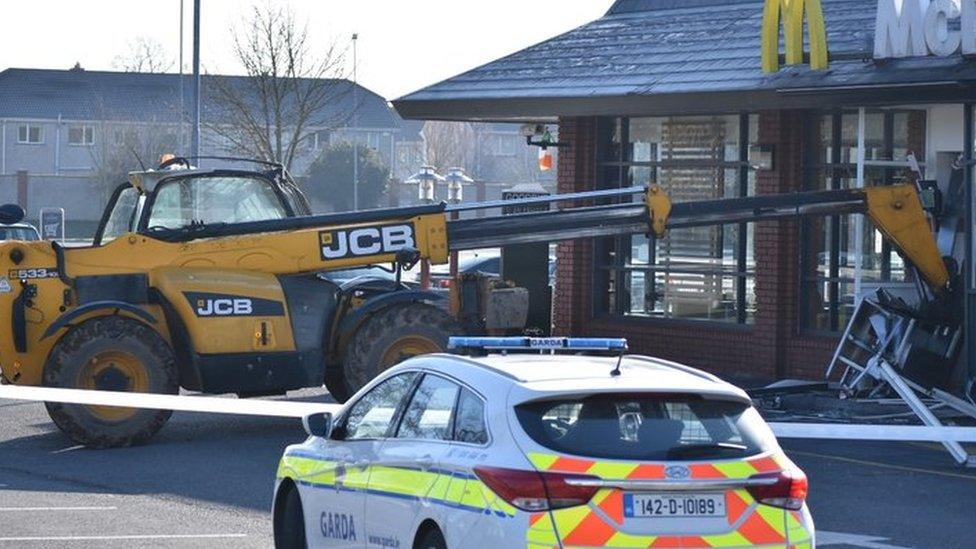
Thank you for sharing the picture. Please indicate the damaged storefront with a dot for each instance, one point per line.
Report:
(717, 99)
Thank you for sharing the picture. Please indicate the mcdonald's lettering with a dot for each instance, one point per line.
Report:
(916, 28)
(791, 13)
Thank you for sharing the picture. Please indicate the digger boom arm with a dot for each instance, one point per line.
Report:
(895, 210)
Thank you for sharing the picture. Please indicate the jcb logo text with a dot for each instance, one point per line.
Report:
(224, 307)
(366, 241)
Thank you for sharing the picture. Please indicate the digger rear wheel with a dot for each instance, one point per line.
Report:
(390, 337)
(110, 354)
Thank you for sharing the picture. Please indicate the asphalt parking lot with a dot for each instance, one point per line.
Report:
(206, 481)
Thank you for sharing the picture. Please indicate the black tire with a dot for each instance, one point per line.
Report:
(154, 368)
(374, 347)
(335, 384)
(432, 539)
(289, 524)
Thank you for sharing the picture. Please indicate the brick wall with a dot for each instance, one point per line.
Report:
(773, 346)
(572, 303)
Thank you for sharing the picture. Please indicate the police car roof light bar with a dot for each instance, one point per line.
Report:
(538, 343)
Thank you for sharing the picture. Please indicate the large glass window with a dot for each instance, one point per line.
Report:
(829, 260)
(207, 200)
(704, 273)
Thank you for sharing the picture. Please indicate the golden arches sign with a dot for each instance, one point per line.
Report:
(792, 13)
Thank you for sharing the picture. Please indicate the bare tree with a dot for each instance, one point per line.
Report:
(273, 111)
(450, 145)
(122, 147)
(144, 55)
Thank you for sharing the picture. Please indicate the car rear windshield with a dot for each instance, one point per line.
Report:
(647, 427)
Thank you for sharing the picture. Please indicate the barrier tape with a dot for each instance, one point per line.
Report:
(291, 409)
(180, 403)
(844, 431)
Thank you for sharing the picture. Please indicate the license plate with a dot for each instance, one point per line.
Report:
(674, 506)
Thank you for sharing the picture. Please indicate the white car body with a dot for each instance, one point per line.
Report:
(385, 492)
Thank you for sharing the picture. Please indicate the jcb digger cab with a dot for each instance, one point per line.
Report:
(178, 200)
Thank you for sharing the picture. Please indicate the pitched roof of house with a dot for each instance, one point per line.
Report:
(670, 56)
(100, 95)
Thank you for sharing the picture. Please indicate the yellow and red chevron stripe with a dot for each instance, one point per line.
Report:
(655, 471)
(599, 523)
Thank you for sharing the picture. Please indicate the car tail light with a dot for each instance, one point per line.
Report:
(443, 283)
(535, 491)
(789, 490)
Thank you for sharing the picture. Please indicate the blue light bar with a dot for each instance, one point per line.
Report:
(539, 343)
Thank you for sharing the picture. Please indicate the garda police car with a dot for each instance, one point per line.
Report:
(511, 449)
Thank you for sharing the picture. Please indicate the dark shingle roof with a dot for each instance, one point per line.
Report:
(648, 56)
(97, 95)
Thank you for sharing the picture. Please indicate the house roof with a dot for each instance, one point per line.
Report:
(127, 96)
(683, 56)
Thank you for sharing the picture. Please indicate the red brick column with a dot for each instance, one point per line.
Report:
(572, 303)
(780, 342)
(776, 242)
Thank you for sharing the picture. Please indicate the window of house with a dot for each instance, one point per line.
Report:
(705, 273)
(30, 133)
(828, 258)
(319, 139)
(81, 135)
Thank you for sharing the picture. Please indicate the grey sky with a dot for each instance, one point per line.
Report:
(403, 45)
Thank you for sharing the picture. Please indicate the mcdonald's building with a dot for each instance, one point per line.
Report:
(725, 98)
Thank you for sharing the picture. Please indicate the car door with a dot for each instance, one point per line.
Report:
(335, 503)
(406, 480)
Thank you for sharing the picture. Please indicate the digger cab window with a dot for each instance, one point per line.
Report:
(214, 199)
(122, 217)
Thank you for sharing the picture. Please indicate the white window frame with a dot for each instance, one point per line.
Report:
(86, 132)
(26, 140)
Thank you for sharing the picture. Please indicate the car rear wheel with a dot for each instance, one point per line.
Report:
(432, 539)
(289, 525)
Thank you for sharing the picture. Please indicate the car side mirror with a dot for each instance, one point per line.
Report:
(318, 424)
(11, 213)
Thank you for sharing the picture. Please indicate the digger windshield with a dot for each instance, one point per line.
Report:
(213, 199)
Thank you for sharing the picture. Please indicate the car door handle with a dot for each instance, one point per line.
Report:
(362, 464)
(426, 461)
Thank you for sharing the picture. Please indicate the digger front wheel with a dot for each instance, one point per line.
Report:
(110, 354)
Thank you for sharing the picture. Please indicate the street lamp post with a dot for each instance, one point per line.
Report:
(426, 181)
(355, 125)
(456, 179)
(195, 139)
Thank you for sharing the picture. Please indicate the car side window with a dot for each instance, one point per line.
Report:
(469, 420)
(428, 415)
(373, 414)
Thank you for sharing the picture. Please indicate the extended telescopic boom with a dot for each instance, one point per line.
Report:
(895, 210)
